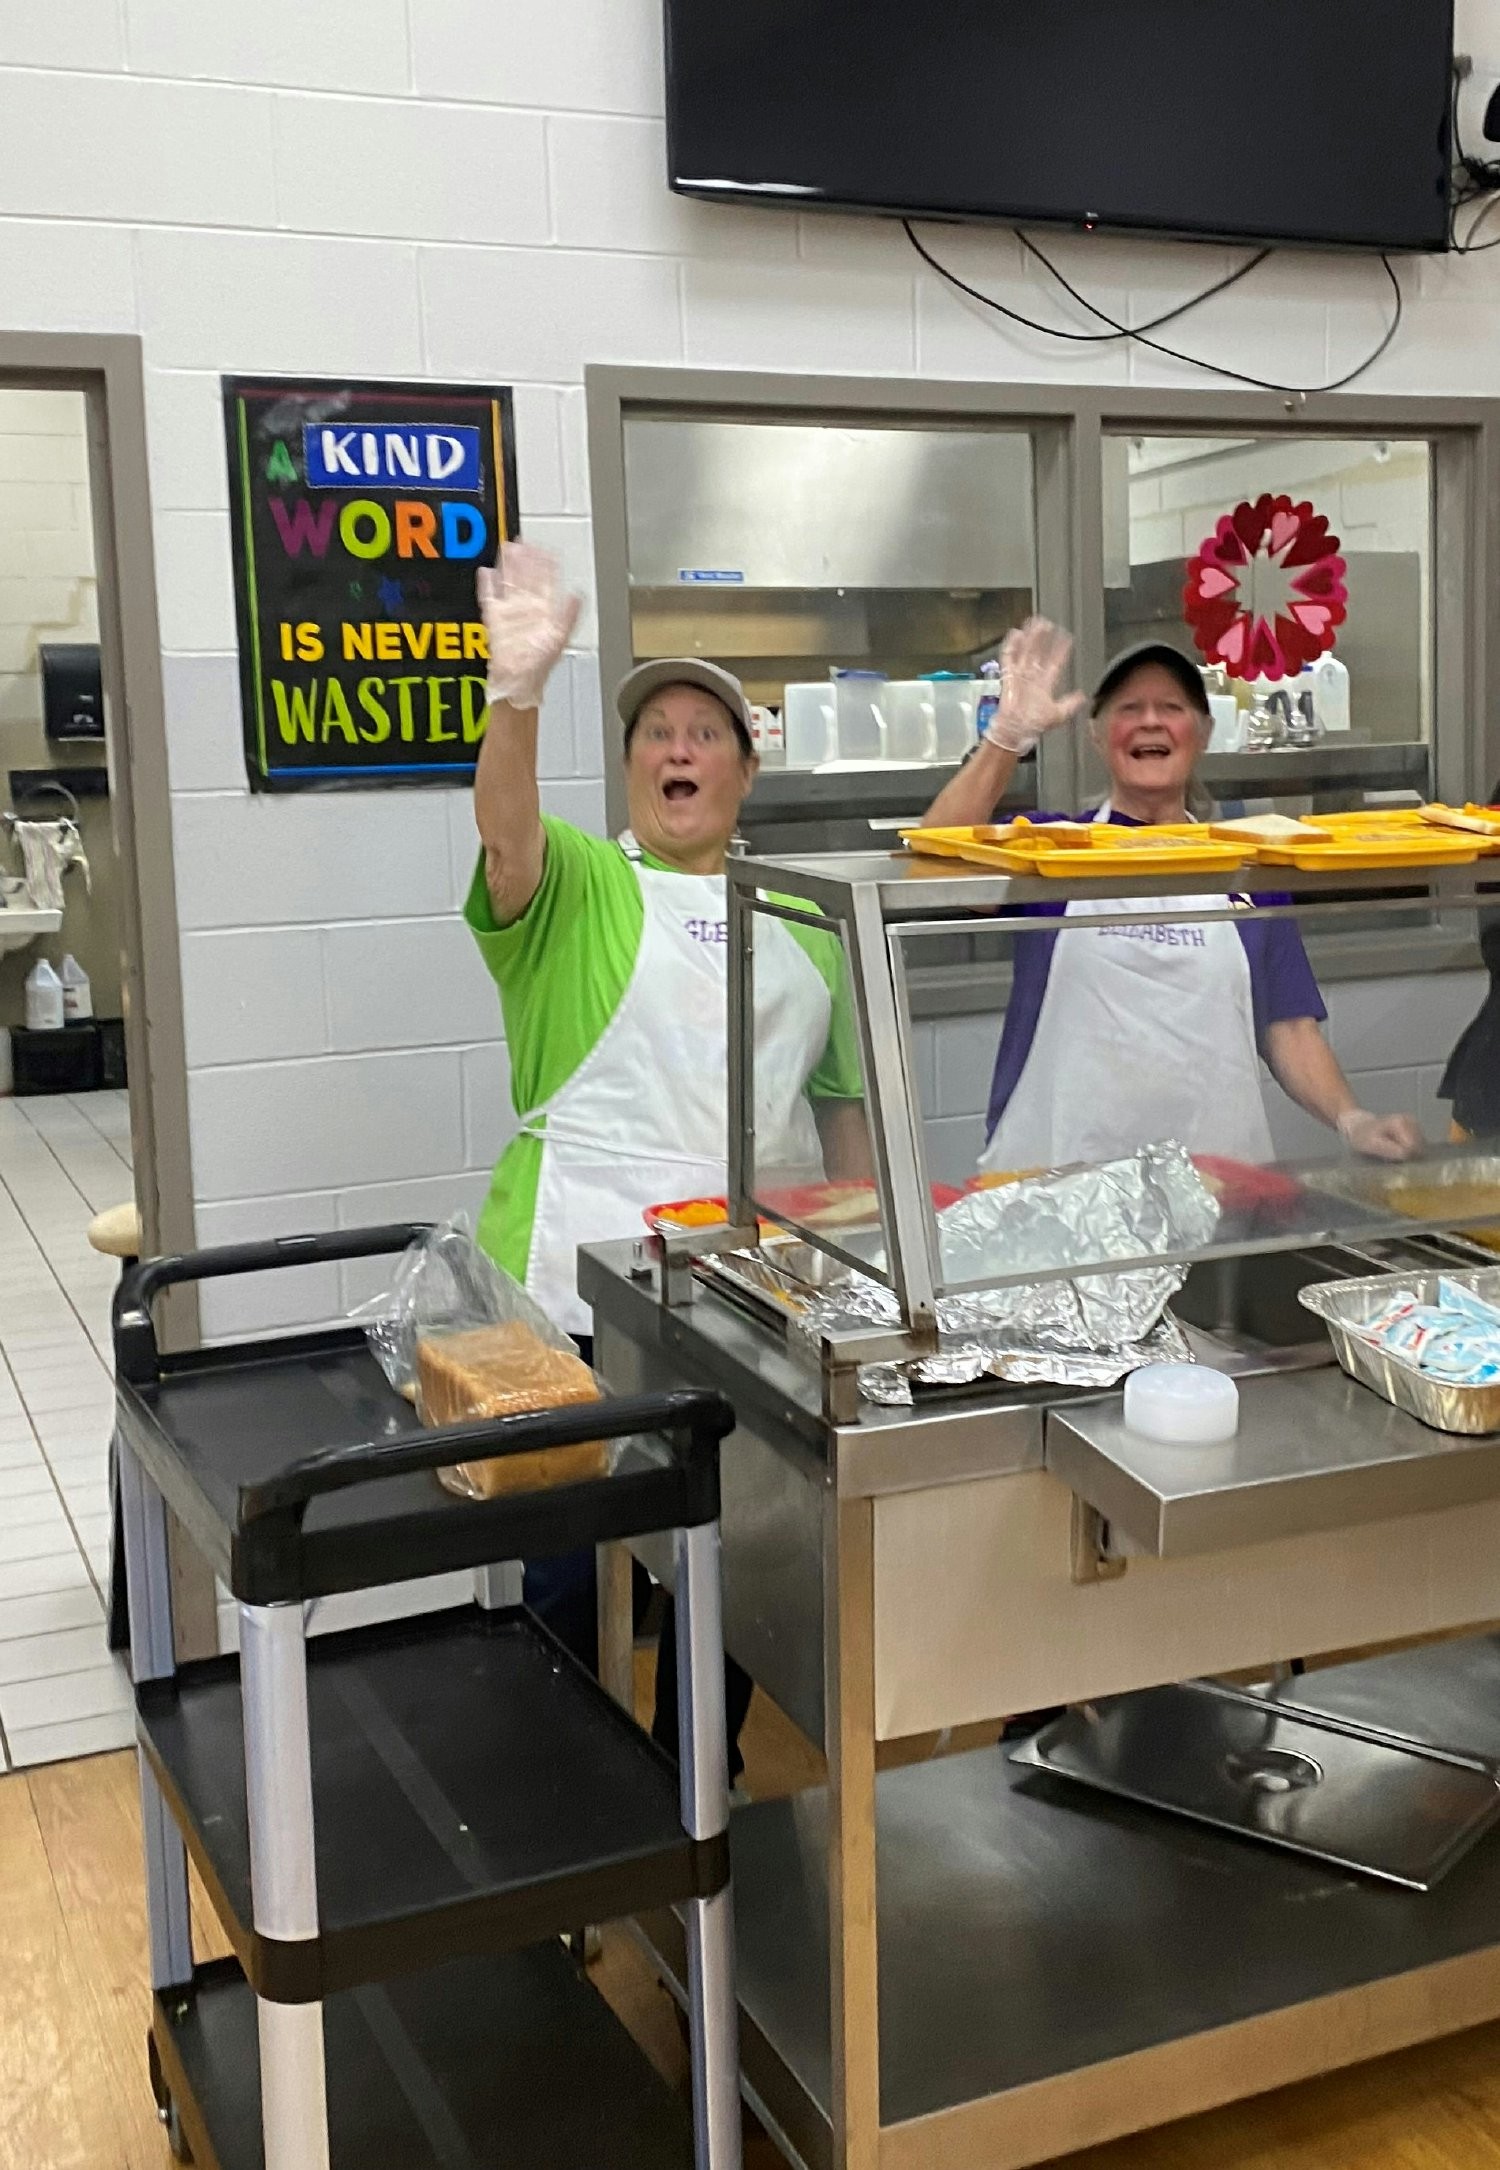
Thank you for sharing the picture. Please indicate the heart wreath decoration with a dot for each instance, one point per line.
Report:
(1266, 594)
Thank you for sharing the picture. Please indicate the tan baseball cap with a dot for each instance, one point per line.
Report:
(637, 686)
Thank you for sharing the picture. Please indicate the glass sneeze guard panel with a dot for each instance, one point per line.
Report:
(1140, 1093)
(810, 1154)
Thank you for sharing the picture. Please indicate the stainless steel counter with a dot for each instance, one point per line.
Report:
(1035, 1941)
(1014, 1969)
(1315, 1451)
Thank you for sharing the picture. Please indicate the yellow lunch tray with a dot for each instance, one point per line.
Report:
(1482, 823)
(969, 843)
(1180, 847)
(1368, 841)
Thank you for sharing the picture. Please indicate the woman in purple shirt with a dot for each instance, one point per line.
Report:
(1129, 1031)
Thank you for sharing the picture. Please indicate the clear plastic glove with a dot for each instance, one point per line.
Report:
(1381, 1137)
(529, 620)
(1033, 661)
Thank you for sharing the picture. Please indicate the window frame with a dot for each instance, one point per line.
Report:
(1068, 426)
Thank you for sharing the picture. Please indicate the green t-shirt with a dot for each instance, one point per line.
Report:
(562, 969)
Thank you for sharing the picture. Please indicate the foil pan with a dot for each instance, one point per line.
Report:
(1345, 1305)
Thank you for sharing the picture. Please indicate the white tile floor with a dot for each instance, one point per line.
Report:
(61, 1161)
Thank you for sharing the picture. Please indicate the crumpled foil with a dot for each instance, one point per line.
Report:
(1089, 1331)
(969, 1361)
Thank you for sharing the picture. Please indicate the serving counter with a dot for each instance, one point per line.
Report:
(967, 1960)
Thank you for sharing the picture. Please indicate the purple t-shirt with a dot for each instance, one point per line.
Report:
(1281, 980)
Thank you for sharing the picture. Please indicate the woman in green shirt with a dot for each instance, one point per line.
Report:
(611, 962)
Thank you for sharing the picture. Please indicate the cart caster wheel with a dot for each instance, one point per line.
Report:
(166, 2108)
(176, 2137)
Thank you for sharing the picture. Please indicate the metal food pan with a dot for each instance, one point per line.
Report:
(1344, 1305)
(1393, 1190)
(778, 1281)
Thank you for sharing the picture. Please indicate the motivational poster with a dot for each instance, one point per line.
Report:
(360, 513)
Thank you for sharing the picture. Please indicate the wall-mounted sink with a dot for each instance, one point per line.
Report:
(23, 924)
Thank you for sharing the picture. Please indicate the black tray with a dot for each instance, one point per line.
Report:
(473, 1789)
(508, 2063)
(298, 1471)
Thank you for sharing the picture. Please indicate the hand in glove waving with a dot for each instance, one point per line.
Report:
(1033, 661)
(529, 619)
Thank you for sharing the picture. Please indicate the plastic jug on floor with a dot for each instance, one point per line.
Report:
(44, 999)
(78, 995)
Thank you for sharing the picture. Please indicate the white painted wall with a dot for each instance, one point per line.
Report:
(472, 189)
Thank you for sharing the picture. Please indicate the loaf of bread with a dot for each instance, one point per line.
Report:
(503, 1371)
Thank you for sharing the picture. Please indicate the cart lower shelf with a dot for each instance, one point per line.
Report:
(473, 1789)
(1057, 1967)
(504, 2063)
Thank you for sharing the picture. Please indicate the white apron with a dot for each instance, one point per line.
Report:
(643, 1119)
(1145, 1033)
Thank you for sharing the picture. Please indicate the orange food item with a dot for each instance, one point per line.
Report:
(699, 1213)
(502, 1371)
(998, 1178)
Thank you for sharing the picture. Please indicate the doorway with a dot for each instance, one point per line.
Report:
(92, 1079)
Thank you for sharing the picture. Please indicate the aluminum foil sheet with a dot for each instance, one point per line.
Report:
(1089, 1331)
(1151, 1202)
(967, 1362)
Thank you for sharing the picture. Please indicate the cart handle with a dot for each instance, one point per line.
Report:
(693, 1421)
(137, 1357)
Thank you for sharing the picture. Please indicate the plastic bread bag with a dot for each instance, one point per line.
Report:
(463, 1341)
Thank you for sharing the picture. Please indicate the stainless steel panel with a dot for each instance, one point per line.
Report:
(1445, 1694)
(1401, 1813)
(825, 505)
(1250, 1303)
(772, 1534)
(993, 1432)
(1314, 1451)
(1334, 767)
(910, 885)
(1029, 1929)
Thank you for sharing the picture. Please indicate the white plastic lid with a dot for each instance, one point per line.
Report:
(1182, 1405)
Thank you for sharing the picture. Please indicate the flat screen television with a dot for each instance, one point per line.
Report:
(1311, 121)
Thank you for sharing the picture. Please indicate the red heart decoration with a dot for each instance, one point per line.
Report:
(1292, 535)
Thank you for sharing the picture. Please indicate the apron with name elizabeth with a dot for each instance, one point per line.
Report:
(1146, 1032)
(643, 1119)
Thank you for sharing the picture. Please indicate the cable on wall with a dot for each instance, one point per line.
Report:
(1474, 180)
(1142, 334)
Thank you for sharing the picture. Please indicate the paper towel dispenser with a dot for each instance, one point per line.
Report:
(72, 691)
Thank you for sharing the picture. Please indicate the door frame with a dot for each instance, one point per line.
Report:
(107, 369)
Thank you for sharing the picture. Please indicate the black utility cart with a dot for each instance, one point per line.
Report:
(397, 1825)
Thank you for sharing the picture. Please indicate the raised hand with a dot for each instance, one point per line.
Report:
(528, 618)
(1033, 662)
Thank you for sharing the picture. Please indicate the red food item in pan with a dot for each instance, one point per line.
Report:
(1244, 1188)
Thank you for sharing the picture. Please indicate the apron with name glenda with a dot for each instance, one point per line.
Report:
(1146, 1033)
(643, 1119)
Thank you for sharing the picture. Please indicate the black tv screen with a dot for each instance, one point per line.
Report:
(1314, 121)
